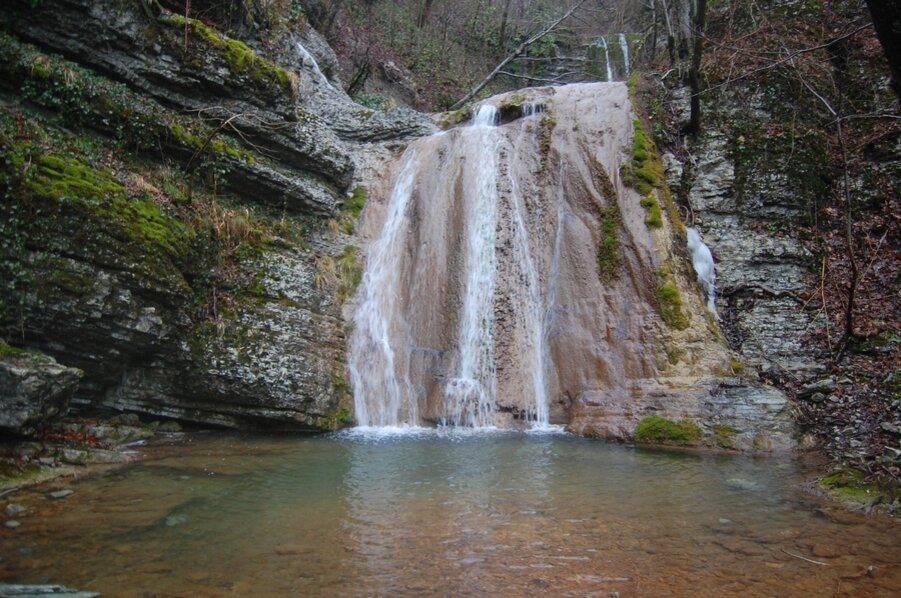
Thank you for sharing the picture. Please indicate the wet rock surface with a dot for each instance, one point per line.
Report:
(34, 389)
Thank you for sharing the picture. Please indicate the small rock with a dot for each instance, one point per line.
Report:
(824, 386)
(173, 520)
(169, 427)
(61, 493)
(12, 524)
(891, 428)
(742, 484)
(817, 397)
(126, 419)
(725, 521)
(15, 509)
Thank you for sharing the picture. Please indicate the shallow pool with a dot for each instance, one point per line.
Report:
(431, 513)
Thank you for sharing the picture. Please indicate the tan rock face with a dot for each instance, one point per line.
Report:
(524, 204)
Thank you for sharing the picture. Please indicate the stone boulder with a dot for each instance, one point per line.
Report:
(34, 389)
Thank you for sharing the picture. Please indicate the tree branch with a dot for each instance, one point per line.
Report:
(512, 56)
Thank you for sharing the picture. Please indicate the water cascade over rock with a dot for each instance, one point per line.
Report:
(702, 260)
(514, 279)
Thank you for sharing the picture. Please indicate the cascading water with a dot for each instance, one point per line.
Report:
(483, 303)
(702, 260)
(624, 45)
(470, 395)
(309, 61)
(607, 59)
(380, 399)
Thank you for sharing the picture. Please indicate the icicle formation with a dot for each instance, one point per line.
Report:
(702, 260)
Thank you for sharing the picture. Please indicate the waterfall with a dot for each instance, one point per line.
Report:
(702, 260)
(607, 58)
(624, 45)
(482, 303)
(470, 395)
(379, 398)
(308, 60)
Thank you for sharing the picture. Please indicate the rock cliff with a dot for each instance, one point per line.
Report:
(173, 207)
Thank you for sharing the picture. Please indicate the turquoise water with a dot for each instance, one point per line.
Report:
(438, 514)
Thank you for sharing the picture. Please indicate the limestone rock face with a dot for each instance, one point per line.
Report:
(34, 388)
(275, 361)
(758, 273)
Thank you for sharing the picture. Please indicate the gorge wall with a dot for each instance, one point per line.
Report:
(197, 238)
(167, 193)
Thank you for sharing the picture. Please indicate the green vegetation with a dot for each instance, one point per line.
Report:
(8, 351)
(545, 135)
(659, 430)
(609, 251)
(669, 300)
(853, 486)
(239, 57)
(645, 172)
(654, 218)
(350, 270)
(724, 436)
(80, 98)
(356, 202)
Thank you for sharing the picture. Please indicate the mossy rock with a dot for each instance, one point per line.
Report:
(609, 250)
(238, 56)
(852, 486)
(669, 301)
(659, 430)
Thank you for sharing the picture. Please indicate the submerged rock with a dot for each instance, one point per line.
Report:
(40, 591)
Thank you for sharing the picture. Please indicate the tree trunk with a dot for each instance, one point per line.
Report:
(424, 14)
(694, 74)
(887, 21)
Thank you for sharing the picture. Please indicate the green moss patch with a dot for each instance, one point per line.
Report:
(669, 300)
(8, 351)
(356, 202)
(81, 98)
(239, 57)
(654, 218)
(724, 436)
(645, 172)
(609, 251)
(852, 486)
(659, 430)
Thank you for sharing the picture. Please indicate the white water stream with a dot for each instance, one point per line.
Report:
(607, 59)
(624, 45)
(380, 399)
(309, 61)
(470, 396)
(702, 260)
(386, 344)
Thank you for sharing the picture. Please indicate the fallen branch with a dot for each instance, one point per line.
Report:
(514, 55)
(537, 79)
(804, 558)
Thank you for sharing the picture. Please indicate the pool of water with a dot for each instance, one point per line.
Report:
(447, 514)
